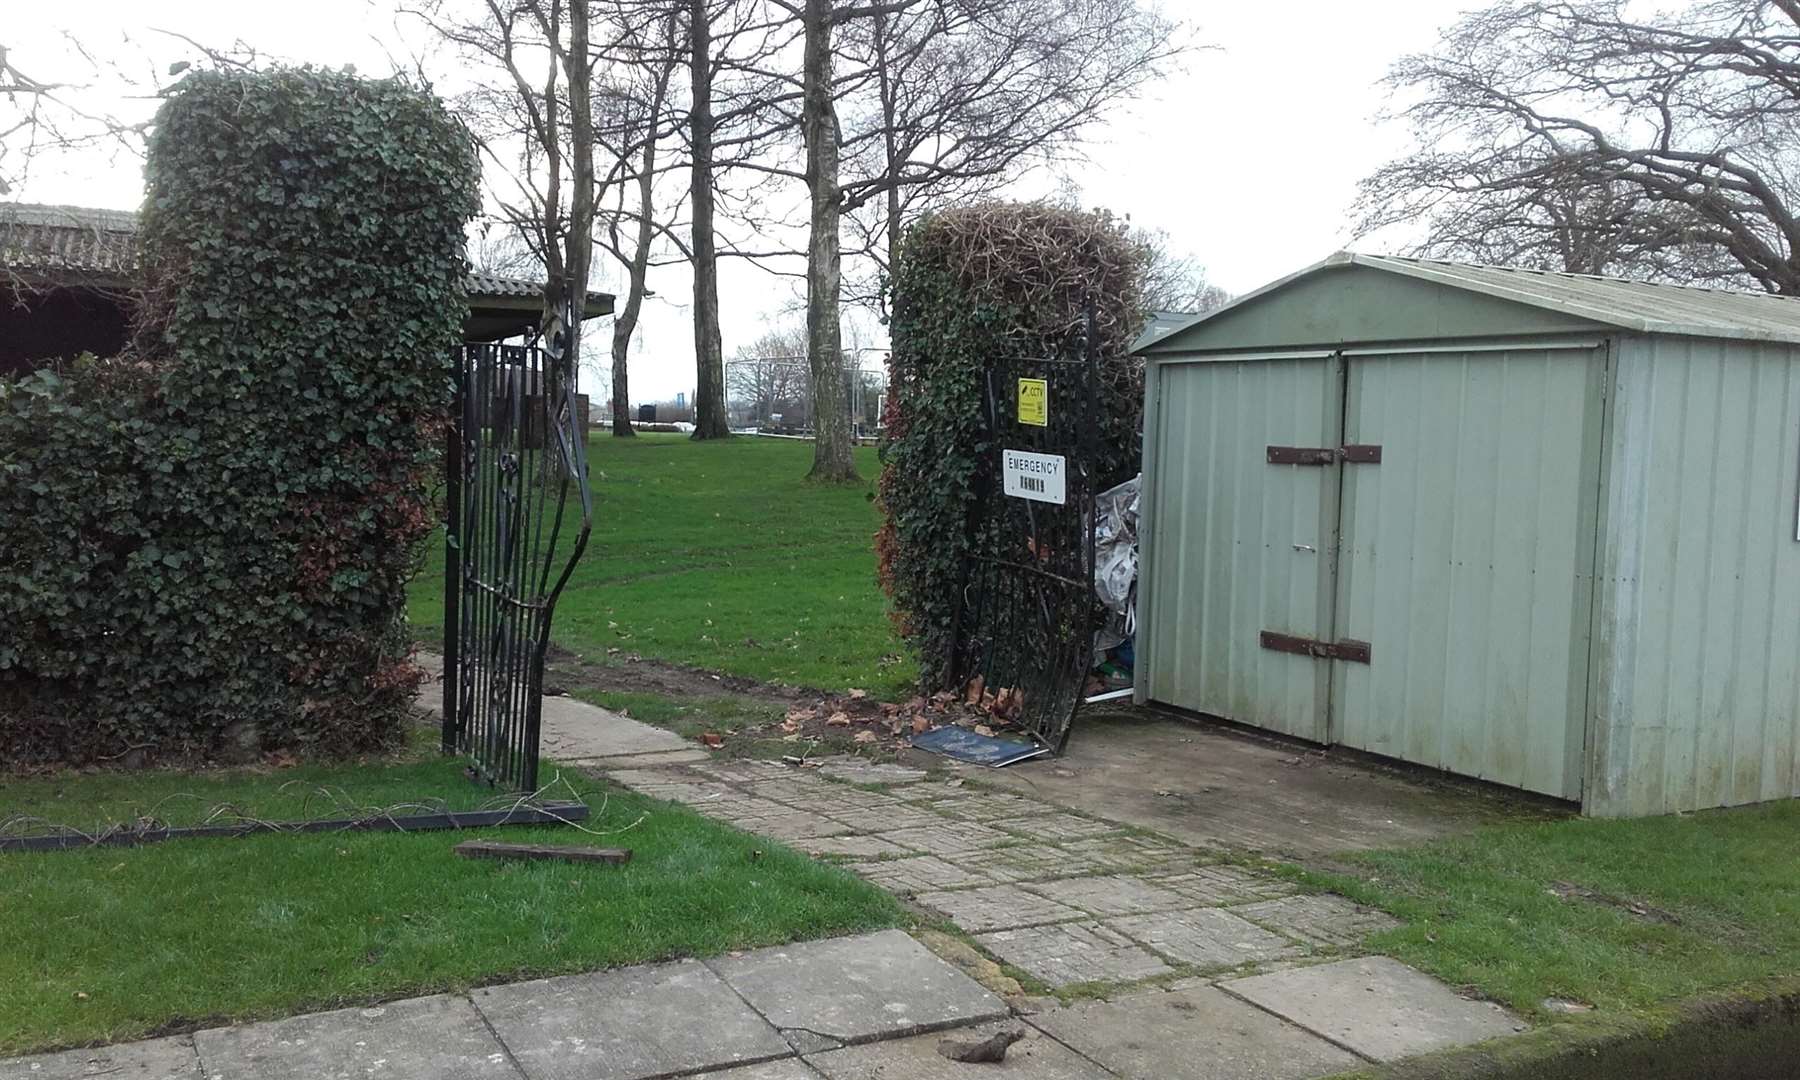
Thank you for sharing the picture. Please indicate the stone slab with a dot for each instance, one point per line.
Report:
(1207, 938)
(1319, 919)
(1217, 885)
(786, 824)
(856, 989)
(1112, 895)
(152, 1059)
(854, 847)
(639, 761)
(1376, 1006)
(1198, 1034)
(1057, 826)
(1036, 1056)
(628, 1023)
(785, 1069)
(986, 806)
(1029, 862)
(887, 819)
(951, 838)
(574, 730)
(855, 770)
(1069, 953)
(998, 907)
(921, 873)
(440, 1036)
(1138, 854)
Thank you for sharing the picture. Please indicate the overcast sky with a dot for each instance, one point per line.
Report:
(1249, 158)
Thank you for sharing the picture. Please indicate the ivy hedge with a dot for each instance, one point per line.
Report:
(971, 284)
(204, 542)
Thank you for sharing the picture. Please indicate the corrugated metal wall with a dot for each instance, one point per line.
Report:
(1466, 560)
(1697, 660)
(1234, 545)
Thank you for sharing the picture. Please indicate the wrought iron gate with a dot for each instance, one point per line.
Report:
(517, 479)
(1026, 614)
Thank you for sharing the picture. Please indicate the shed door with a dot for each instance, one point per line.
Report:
(1466, 561)
(1241, 546)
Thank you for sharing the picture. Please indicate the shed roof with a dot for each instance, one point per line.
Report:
(1640, 306)
(82, 245)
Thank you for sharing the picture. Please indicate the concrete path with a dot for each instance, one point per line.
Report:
(1186, 963)
(856, 1008)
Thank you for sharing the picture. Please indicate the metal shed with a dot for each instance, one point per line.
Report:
(1541, 529)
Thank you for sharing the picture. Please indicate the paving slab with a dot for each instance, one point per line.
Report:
(1209, 938)
(1376, 1006)
(951, 838)
(638, 761)
(786, 824)
(153, 1059)
(440, 1037)
(1029, 862)
(1070, 953)
(855, 770)
(998, 907)
(1119, 894)
(752, 772)
(573, 730)
(986, 805)
(855, 847)
(785, 1069)
(887, 819)
(1319, 919)
(628, 1023)
(921, 873)
(1052, 825)
(1197, 1034)
(1138, 854)
(1036, 1056)
(856, 989)
(1219, 885)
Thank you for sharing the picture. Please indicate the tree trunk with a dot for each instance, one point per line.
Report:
(889, 145)
(625, 324)
(579, 254)
(832, 460)
(709, 350)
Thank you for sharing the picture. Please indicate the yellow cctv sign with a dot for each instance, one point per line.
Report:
(1034, 402)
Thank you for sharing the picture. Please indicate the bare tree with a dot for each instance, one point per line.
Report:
(639, 100)
(769, 376)
(1578, 136)
(1172, 281)
(907, 103)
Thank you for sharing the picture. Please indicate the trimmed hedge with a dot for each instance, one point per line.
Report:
(204, 543)
(970, 284)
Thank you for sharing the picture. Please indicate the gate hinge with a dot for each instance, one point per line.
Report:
(1355, 453)
(1355, 652)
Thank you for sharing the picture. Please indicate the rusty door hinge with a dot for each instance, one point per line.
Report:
(1356, 453)
(1355, 652)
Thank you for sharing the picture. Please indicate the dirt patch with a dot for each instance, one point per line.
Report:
(565, 671)
(1568, 890)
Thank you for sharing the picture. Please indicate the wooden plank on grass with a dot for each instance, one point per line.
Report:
(524, 813)
(494, 849)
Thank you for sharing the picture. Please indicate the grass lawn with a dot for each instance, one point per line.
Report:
(720, 555)
(101, 945)
(1483, 910)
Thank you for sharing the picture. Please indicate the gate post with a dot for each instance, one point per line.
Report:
(453, 470)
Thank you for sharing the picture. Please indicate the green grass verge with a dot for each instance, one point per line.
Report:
(101, 945)
(1482, 910)
(720, 555)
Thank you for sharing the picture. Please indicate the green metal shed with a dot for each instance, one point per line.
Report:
(1541, 529)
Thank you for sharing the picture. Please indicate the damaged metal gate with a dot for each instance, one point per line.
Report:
(1026, 613)
(519, 513)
